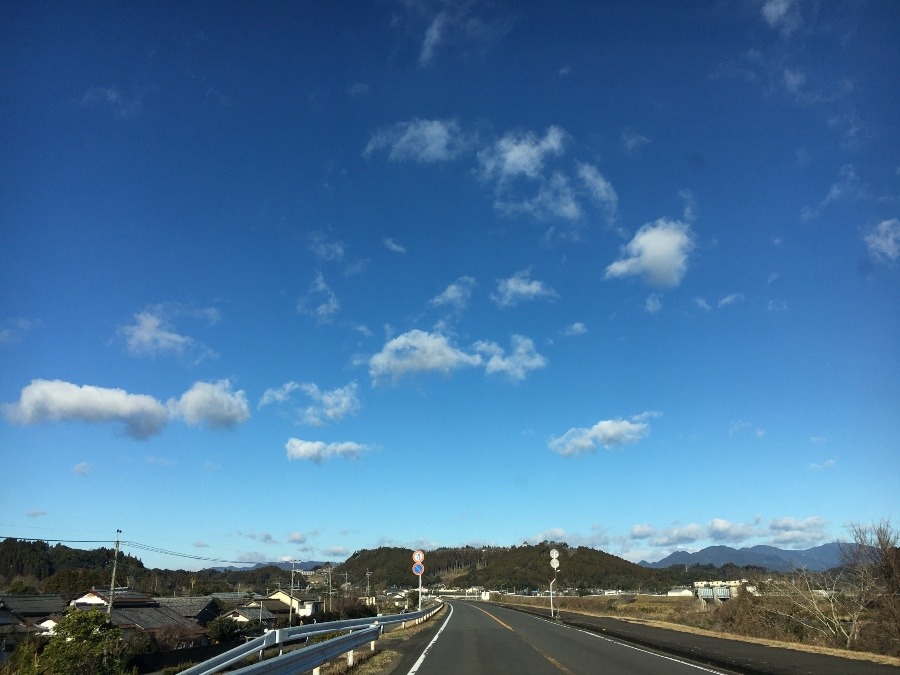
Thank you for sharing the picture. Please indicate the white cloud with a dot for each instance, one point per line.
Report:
(827, 464)
(519, 287)
(791, 531)
(12, 330)
(674, 536)
(653, 303)
(433, 36)
(417, 351)
(632, 140)
(57, 401)
(318, 451)
(320, 301)
(326, 249)
(121, 104)
(393, 246)
(82, 468)
(214, 405)
(576, 328)
(358, 89)
(608, 433)
(280, 394)
(456, 295)
(153, 334)
(641, 531)
(332, 405)
(600, 189)
(555, 198)
(794, 80)
(723, 530)
(517, 365)
(884, 240)
(730, 299)
(702, 304)
(849, 186)
(425, 141)
(777, 306)
(782, 15)
(520, 154)
(658, 252)
(36, 513)
(690, 205)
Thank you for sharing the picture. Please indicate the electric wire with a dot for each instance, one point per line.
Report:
(144, 547)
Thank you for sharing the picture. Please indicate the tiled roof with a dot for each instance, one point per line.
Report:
(153, 618)
(187, 606)
(33, 605)
(123, 597)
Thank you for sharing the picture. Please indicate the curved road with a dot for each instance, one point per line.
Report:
(489, 639)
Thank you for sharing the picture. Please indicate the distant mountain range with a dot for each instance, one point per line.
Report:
(775, 559)
(281, 564)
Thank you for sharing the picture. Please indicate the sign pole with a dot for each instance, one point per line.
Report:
(419, 569)
(554, 563)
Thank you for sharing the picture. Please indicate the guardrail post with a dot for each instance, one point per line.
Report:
(317, 670)
(350, 659)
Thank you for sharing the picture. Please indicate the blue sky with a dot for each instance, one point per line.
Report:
(298, 279)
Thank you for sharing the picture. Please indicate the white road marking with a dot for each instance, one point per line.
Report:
(418, 664)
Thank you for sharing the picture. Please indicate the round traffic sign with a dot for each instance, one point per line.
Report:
(554, 563)
(419, 556)
(554, 553)
(418, 568)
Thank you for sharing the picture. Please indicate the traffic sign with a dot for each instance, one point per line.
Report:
(554, 563)
(418, 568)
(554, 553)
(419, 556)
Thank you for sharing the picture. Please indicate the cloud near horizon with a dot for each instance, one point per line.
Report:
(213, 405)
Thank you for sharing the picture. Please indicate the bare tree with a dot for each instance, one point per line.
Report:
(838, 603)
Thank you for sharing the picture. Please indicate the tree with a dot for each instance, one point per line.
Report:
(84, 643)
(836, 604)
(223, 629)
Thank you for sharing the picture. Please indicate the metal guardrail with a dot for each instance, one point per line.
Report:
(361, 631)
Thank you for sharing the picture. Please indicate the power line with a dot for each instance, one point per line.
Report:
(144, 547)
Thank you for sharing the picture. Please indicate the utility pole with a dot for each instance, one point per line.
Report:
(368, 576)
(346, 584)
(328, 574)
(112, 585)
(291, 610)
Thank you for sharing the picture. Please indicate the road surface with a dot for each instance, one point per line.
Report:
(494, 640)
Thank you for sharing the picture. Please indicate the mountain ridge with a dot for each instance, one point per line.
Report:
(817, 558)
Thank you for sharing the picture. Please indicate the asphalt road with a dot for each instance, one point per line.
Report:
(494, 640)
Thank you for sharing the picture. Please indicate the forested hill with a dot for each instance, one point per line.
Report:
(29, 567)
(515, 567)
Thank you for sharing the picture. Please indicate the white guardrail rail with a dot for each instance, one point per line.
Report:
(358, 633)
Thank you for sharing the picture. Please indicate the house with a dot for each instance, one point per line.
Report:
(301, 606)
(22, 615)
(98, 598)
(201, 609)
(133, 611)
(246, 614)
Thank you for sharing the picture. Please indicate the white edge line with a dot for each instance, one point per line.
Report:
(418, 663)
(647, 651)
